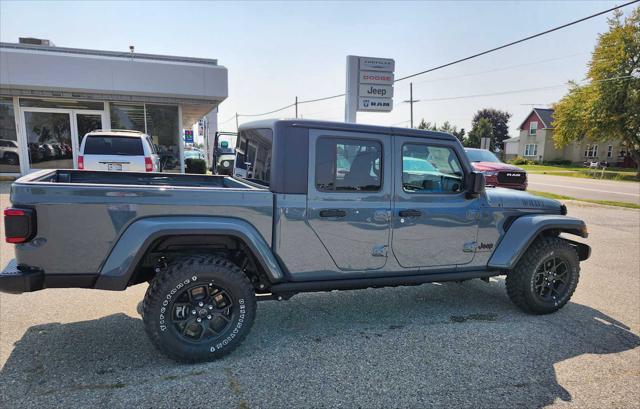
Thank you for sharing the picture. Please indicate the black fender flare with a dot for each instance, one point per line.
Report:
(525, 229)
(127, 252)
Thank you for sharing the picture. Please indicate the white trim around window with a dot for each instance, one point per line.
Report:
(531, 149)
(610, 151)
(533, 127)
(591, 151)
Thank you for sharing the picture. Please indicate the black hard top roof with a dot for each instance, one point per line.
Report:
(344, 126)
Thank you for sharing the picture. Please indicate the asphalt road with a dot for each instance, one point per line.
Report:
(453, 345)
(586, 188)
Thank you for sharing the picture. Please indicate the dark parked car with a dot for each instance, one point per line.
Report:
(496, 172)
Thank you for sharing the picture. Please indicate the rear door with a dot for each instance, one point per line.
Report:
(434, 224)
(113, 153)
(349, 196)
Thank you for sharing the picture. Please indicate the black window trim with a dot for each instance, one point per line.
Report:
(439, 145)
(348, 138)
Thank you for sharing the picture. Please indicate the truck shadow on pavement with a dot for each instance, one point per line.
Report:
(460, 345)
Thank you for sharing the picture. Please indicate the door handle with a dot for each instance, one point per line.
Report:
(333, 213)
(410, 213)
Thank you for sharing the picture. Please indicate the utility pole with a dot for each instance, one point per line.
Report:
(411, 101)
(237, 126)
(296, 107)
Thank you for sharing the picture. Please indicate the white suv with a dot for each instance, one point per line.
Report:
(116, 150)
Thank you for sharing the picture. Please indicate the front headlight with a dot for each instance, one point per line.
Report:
(490, 174)
(225, 163)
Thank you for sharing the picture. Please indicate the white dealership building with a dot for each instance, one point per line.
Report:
(50, 97)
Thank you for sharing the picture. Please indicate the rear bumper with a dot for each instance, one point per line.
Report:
(14, 281)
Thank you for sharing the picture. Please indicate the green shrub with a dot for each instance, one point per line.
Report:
(198, 166)
(521, 161)
(558, 162)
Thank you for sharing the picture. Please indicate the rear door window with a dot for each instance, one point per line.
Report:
(348, 165)
(113, 145)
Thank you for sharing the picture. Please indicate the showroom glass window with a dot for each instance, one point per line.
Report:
(163, 127)
(127, 116)
(9, 157)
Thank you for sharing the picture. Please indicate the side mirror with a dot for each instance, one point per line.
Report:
(476, 184)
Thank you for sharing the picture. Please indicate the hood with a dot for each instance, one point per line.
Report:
(515, 199)
(495, 166)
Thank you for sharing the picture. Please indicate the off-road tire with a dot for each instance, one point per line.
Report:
(170, 285)
(520, 282)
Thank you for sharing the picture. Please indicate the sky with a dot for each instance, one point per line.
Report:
(275, 51)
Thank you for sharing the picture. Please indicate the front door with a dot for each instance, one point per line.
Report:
(54, 135)
(50, 139)
(349, 197)
(434, 224)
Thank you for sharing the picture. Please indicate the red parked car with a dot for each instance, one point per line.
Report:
(496, 172)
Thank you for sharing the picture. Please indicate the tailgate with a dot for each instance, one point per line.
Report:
(114, 163)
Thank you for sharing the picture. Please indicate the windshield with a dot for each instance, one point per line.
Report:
(481, 155)
(192, 154)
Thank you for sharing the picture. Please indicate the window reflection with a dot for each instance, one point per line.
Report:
(9, 156)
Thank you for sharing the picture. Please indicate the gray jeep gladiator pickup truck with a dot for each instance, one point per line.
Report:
(331, 206)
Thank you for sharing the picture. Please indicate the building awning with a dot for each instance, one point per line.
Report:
(44, 71)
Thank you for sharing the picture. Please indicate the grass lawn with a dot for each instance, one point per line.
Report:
(628, 175)
(603, 202)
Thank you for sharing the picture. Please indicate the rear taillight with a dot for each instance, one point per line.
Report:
(80, 162)
(148, 164)
(19, 225)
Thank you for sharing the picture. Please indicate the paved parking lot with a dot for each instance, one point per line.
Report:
(454, 345)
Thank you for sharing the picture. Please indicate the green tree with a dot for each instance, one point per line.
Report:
(460, 135)
(427, 125)
(481, 129)
(609, 106)
(499, 121)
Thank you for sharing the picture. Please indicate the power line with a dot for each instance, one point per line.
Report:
(459, 60)
(227, 120)
(274, 111)
(323, 99)
(516, 42)
(517, 91)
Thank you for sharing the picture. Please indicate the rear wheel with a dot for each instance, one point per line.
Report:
(546, 276)
(199, 309)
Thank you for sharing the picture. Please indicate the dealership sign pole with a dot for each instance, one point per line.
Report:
(369, 86)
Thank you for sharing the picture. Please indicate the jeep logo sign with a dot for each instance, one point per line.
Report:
(381, 91)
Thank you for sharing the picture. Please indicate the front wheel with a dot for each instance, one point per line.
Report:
(199, 309)
(545, 277)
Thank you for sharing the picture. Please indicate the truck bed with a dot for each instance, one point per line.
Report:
(136, 179)
(81, 214)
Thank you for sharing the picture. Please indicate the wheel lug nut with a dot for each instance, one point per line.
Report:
(208, 317)
(193, 312)
(200, 304)
(199, 320)
(211, 307)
